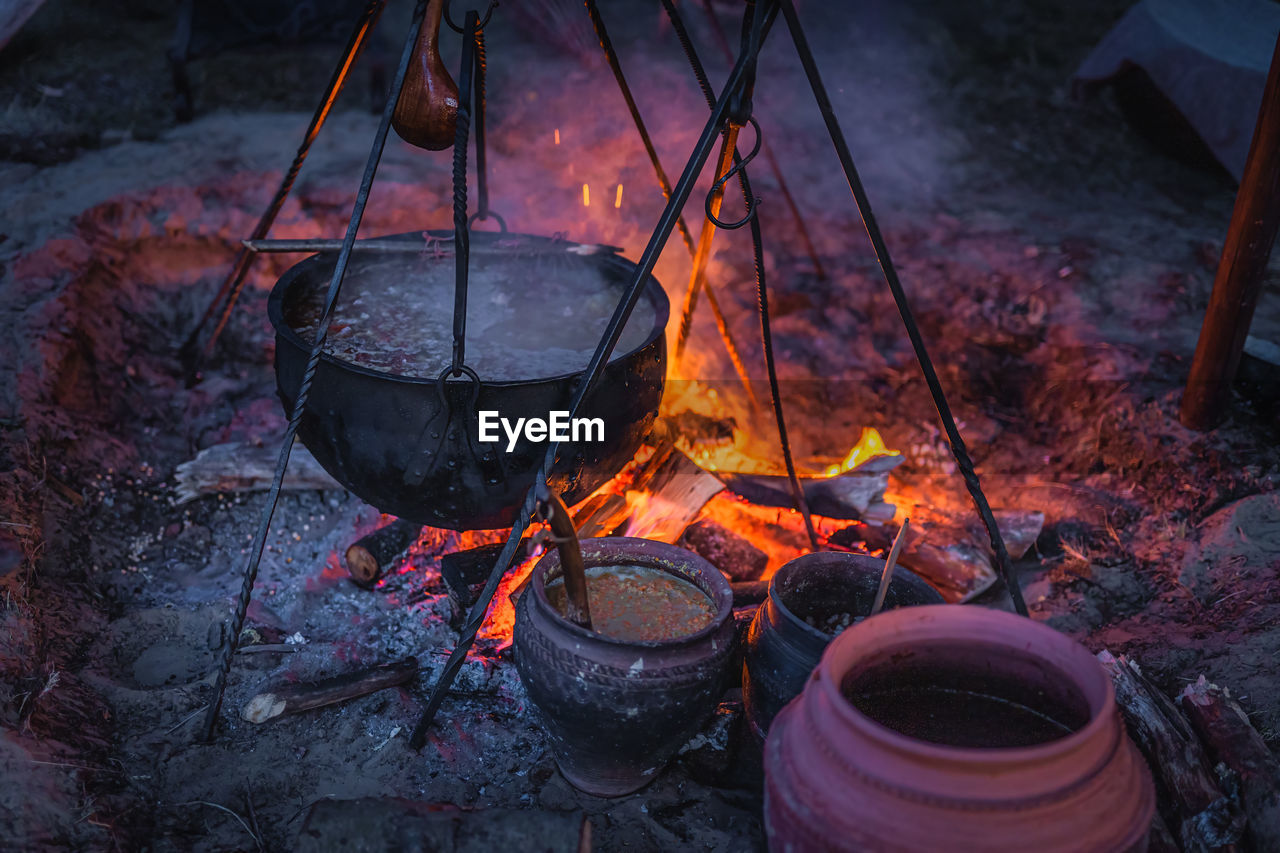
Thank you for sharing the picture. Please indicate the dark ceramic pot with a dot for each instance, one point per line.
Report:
(782, 648)
(616, 712)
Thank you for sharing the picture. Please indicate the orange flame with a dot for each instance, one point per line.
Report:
(870, 446)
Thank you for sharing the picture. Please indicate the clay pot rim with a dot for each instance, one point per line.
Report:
(844, 557)
(609, 550)
(829, 684)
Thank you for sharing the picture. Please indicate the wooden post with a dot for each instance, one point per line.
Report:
(1240, 271)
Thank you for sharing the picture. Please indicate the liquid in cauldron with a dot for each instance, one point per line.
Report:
(955, 707)
(528, 316)
(637, 604)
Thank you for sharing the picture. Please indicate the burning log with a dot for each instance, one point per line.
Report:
(667, 493)
(369, 556)
(1195, 808)
(464, 572)
(726, 550)
(1225, 729)
(239, 467)
(303, 696)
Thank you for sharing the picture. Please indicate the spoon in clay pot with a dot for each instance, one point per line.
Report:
(577, 609)
(886, 577)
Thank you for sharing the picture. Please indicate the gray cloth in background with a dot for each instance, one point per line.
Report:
(1209, 57)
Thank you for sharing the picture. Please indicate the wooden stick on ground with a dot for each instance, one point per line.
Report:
(1226, 731)
(369, 556)
(238, 467)
(305, 695)
(1196, 810)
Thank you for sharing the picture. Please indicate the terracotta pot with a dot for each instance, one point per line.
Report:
(835, 779)
(782, 648)
(615, 712)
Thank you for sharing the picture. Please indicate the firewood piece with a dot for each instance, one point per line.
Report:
(667, 493)
(726, 550)
(463, 571)
(1225, 729)
(1020, 529)
(303, 696)
(369, 556)
(240, 467)
(1195, 808)
(954, 557)
(1160, 839)
(599, 515)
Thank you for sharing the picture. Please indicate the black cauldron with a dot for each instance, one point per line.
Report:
(408, 445)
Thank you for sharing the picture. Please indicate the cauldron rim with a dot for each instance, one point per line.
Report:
(646, 553)
(607, 256)
(873, 566)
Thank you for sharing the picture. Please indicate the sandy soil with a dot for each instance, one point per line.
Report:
(1059, 269)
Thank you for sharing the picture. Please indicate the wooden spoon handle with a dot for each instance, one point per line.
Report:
(577, 605)
(427, 113)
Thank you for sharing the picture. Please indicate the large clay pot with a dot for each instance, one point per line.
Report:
(616, 712)
(837, 780)
(782, 648)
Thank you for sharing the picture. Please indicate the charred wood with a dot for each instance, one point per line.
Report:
(306, 695)
(1196, 810)
(1232, 740)
(238, 467)
(370, 556)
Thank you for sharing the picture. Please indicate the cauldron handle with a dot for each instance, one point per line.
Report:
(472, 71)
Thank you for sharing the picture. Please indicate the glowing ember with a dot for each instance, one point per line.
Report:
(500, 621)
(586, 195)
(617, 200)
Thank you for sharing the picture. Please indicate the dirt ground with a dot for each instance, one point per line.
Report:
(1059, 268)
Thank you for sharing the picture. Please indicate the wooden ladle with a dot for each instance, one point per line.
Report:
(577, 606)
(427, 113)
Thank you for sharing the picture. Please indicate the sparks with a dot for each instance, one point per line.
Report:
(617, 199)
(586, 195)
(557, 136)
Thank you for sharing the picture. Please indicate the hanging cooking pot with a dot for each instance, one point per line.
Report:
(405, 435)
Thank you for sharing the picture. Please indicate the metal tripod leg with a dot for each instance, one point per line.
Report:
(308, 375)
(963, 462)
(233, 284)
(644, 267)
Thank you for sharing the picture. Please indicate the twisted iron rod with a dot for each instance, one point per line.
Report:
(233, 284)
(308, 375)
(963, 461)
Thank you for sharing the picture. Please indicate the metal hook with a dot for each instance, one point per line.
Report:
(479, 217)
(488, 13)
(718, 187)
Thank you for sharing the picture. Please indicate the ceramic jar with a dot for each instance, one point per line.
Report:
(837, 780)
(615, 712)
(782, 648)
